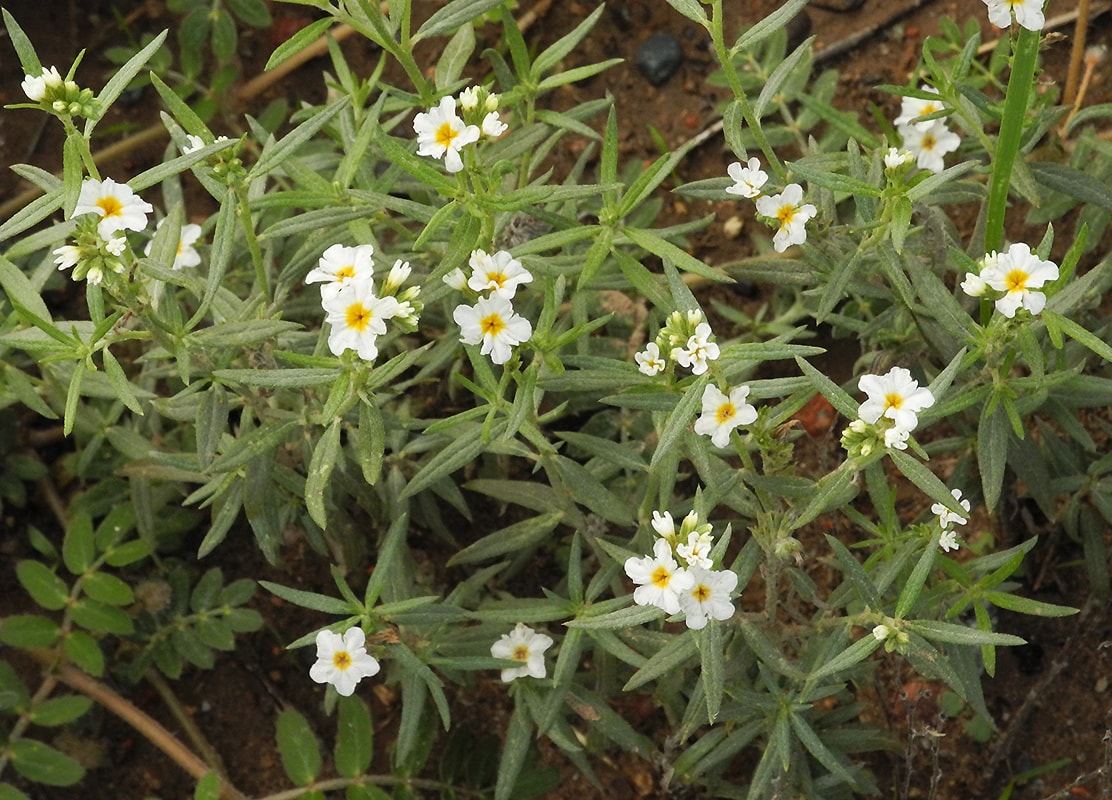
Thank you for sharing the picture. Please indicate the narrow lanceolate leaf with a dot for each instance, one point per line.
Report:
(511, 539)
(960, 634)
(298, 747)
(317, 602)
(326, 455)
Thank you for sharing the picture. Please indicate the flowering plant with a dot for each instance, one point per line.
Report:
(396, 348)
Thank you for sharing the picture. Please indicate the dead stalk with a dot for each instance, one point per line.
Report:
(1077, 53)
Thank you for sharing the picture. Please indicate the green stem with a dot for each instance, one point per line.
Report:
(248, 226)
(1020, 81)
(725, 58)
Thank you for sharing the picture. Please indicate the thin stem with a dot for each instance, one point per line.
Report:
(129, 713)
(373, 780)
(1077, 53)
(725, 58)
(155, 679)
(248, 225)
(1011, 132)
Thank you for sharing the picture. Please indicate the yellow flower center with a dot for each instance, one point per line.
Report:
(785, 214)
(110, 206)
(1016, 281)
(344, 273)
(701, 593)
(893, 400)
(725, 413)
(520, 653)
(928, 142)
(661, 577)
(446, 134)
(358, 316)
(499, 278)
(492, 325)
(929, 108)
(341, 660)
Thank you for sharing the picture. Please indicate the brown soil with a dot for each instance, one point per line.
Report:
(1050, 698)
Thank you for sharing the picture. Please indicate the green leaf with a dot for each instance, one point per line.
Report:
(298, 747)
(206, 591)
(108, 589)
(588, 491)
(253, 12)
(28, 630)
(298, 42)
(1079, 334)
(992, 451)
(625, 617)
(1071, 182)
(326, 455)
(854, 654)
(83, 650)
(223, 34)
(118, 82)
(454, 57)
(369, 441)
(43, 764)
(275, 153)
(512, 539)
(20, 291)
(451, 16)
(775, 21)
(78, 546)
(960, 634)
(671, 658)
(1027, 605)
(682, 416)
(45, 588)
(101, 618)
(918, 578)
(208, 787)
(7, 791)
(317, 602)
(712, 658)
(60, 710)
(261, 441)
(519, 736)
(28, 59)
(463, 450)
(127, 553)
(354, 737)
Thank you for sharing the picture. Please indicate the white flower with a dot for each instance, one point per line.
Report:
(930, 144)
(660, 580)
(791, 212)
(186, 254)
(664, 525)
(35, 86)
(973, 285)
(68, 256)
(721, 414)
(912, 108)
(469, 98)
(499, 272)
(1019, 272)
(525, 645)
(343, 660)
(896, 438)
(441, 134)
(456, 279)
(493, 323)
(341, 266)
(699, 350)
(948, 540)
(1028, 13)
(358, 317)
(493, 126)
(894, 396)
(118, 207)
(696, 552)
(649, 361)
(399, 274)
(946, 517)
(748, 180)
(881, 632)
(708, 597)
(192, 143)
(116, 245)
(896, 157)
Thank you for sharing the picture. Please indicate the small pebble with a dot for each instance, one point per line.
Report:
(1101, 684)
(659, 57)
(732, 227)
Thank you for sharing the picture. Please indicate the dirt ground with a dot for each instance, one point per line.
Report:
(1051, 699)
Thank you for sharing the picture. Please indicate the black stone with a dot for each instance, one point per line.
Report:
(659, 57)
